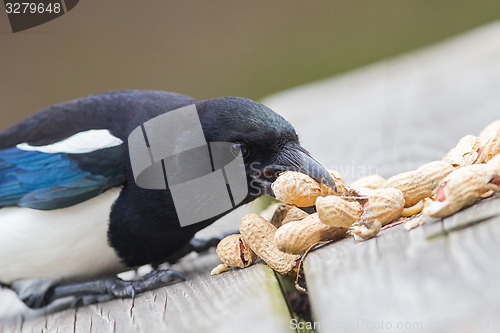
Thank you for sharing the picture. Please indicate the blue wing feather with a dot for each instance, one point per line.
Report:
(50, 181)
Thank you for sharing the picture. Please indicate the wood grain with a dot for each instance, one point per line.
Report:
(448, 282)
(235, 300)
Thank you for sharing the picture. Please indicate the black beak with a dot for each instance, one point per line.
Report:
(293, 157)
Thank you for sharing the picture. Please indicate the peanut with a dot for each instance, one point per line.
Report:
(234, 252)
(361, 231)
(415, 209)
(269, 211)
(384, 205)
(490, 142)
(459, 189)
(295, 188)
(294, 214)
(493, 173)
(415, 222)
(420, 183)
(464, 153)
(259, 235)
(286, 213)
(219, 269)
(365, 191)
(298, 236)
(279, 214)
(337, 212)
(370, 181)
(494, 164)
(339, 184)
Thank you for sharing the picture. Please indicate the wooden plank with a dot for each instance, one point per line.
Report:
(241, 300)
(12, 325)
(390, 117)
(405, 281)
(398, 114)
(476, 214)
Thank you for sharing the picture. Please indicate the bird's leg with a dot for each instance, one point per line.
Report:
(32, 291)
(114, 287)
(197, 245)
(104, 289)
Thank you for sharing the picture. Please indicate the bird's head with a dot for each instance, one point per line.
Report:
(268, 143)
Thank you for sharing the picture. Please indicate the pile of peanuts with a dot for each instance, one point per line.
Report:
(467, 173)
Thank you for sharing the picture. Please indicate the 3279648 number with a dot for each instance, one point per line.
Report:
(32, 7)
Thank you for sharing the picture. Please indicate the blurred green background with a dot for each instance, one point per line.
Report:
(214, 48)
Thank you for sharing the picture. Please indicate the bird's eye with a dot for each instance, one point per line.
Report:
(237, 147)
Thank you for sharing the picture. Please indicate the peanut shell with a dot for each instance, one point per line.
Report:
(464, 153)
(363, 232)
(420, 183)
(384, 205)
(294, 214)
(297, 236)
(259, 235)
(492, 170)
(370, 181)
(459, 189)
(337, 212)
(493, 165)
(280, 214)
(339, 184)
(234, 252)
(295, 188)
(490, 142)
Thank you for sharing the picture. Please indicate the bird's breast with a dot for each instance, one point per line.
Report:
(63, 243)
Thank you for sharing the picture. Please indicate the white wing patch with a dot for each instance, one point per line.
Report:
(80, 143)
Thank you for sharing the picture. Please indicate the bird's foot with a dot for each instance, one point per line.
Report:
(32, 291)
(99, 290)
(90, 299)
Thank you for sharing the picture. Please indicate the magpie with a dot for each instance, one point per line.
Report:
(71, 213)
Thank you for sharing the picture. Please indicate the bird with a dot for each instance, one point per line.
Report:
(72, 215)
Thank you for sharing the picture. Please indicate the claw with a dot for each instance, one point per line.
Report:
(177, 275)
(119, 288)
(76, 301)
(99, 290)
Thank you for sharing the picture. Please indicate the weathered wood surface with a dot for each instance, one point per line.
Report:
(235, 300)
(398, 114)
(387, 118)
(390, 117)
(441, 277)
